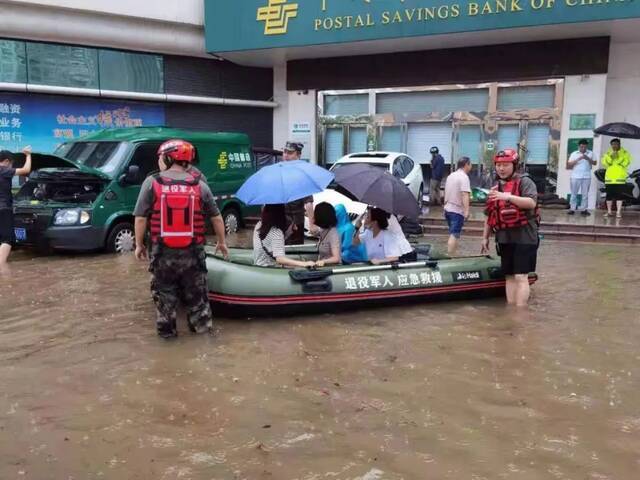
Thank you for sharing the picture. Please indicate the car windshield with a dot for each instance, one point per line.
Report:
(383, 166)
(103, 156)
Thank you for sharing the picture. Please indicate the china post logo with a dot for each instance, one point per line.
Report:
(276, 16)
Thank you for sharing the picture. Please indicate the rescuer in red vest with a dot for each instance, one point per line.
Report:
(512, 214)
(174, 204)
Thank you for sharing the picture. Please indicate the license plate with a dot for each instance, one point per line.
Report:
(21, 234)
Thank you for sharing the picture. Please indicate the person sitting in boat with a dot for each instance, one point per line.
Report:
(350, 253)
(268, 240)
(382, 245)
(408, 254)
(325, 222)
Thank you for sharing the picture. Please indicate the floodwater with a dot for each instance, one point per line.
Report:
(435, 391)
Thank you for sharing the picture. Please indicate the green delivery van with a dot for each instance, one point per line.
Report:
(82, 196)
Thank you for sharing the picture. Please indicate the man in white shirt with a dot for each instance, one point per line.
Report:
(457, 193)
(580, 163)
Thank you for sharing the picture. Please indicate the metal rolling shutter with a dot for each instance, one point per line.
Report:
(391, 139)
(469, 138)
(422, 136)
(538, 144)
(357, 139)
(333, 145)
(508, 136)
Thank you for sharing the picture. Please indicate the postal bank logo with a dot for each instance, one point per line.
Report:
(276, 16)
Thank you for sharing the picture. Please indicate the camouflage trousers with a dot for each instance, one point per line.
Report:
(180, 275)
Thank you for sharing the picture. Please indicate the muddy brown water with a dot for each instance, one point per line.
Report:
(434, 391)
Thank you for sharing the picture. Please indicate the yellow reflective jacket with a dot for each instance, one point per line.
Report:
(616, 166)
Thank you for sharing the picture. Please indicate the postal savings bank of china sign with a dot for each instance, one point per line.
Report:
(234, 25)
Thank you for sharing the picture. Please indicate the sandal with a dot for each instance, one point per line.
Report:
(607, 214)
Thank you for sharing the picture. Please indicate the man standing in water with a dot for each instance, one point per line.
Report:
(437, 172)
(457, 198)
(7, 172)
(177, 201)
(296, 210)
(512, 216)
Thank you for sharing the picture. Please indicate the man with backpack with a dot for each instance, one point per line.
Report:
(175, 203)
(512, 214)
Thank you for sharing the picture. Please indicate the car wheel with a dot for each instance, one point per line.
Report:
(420, 195)
(231, 218)
(121, 239)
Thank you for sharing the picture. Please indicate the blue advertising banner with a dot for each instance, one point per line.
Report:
(46, 121)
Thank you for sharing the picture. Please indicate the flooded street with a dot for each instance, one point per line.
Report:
(440, 391)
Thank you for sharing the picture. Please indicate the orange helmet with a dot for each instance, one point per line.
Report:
(178, 150)
(508, 155)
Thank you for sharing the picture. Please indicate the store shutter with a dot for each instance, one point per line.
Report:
(357, 139)
(333, 145)
(473, 100)
(508, 136)
(538, 144)
(514, 98)
(353, 104)
(469, 138)
(422, 136)
(391, 139)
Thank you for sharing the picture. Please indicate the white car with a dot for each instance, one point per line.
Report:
(398, 164)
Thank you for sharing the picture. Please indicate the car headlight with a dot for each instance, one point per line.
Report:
(72, 216)
(66, 217)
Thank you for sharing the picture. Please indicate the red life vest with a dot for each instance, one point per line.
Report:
(177, 220)
(503, 215)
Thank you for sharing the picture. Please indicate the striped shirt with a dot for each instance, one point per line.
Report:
(273, 243)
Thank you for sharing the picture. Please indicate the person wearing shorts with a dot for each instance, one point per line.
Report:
(512, 216)
(457, 198)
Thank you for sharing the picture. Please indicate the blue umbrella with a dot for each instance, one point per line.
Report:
(284, 182)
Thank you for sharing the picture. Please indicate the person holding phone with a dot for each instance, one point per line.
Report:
(580, 163)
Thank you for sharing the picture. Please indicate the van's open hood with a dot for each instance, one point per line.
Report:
(46, 160)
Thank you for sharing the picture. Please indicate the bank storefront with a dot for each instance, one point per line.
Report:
(468, 77)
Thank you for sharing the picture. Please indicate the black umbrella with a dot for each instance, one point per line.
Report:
(377, 187)
(619, 129)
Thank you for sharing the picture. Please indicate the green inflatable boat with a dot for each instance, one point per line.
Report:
(238, 287)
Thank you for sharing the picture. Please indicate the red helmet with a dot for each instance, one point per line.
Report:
(178, 150)
(508, 155)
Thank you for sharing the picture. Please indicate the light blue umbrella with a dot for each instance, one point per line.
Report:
(284, 182)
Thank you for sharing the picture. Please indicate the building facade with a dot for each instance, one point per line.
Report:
(469, 77)
(70, 67)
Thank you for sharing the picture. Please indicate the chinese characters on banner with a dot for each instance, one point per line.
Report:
(372, 282)
(46, 121)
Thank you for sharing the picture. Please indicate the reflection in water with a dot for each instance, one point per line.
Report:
(444, 391)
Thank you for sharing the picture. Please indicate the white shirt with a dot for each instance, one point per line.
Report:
(582, 169)
(395, 229)
(383, 246)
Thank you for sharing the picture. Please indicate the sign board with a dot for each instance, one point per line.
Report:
(234, 25)
(46, 121)
(582, 121)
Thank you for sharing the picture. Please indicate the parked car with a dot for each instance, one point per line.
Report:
(398, 164)
(82, 197)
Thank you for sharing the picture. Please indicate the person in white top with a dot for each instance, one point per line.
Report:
(382, 245)
(580, 163)
(457, 198)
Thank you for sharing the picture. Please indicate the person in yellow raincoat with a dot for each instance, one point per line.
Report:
(616, 161)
